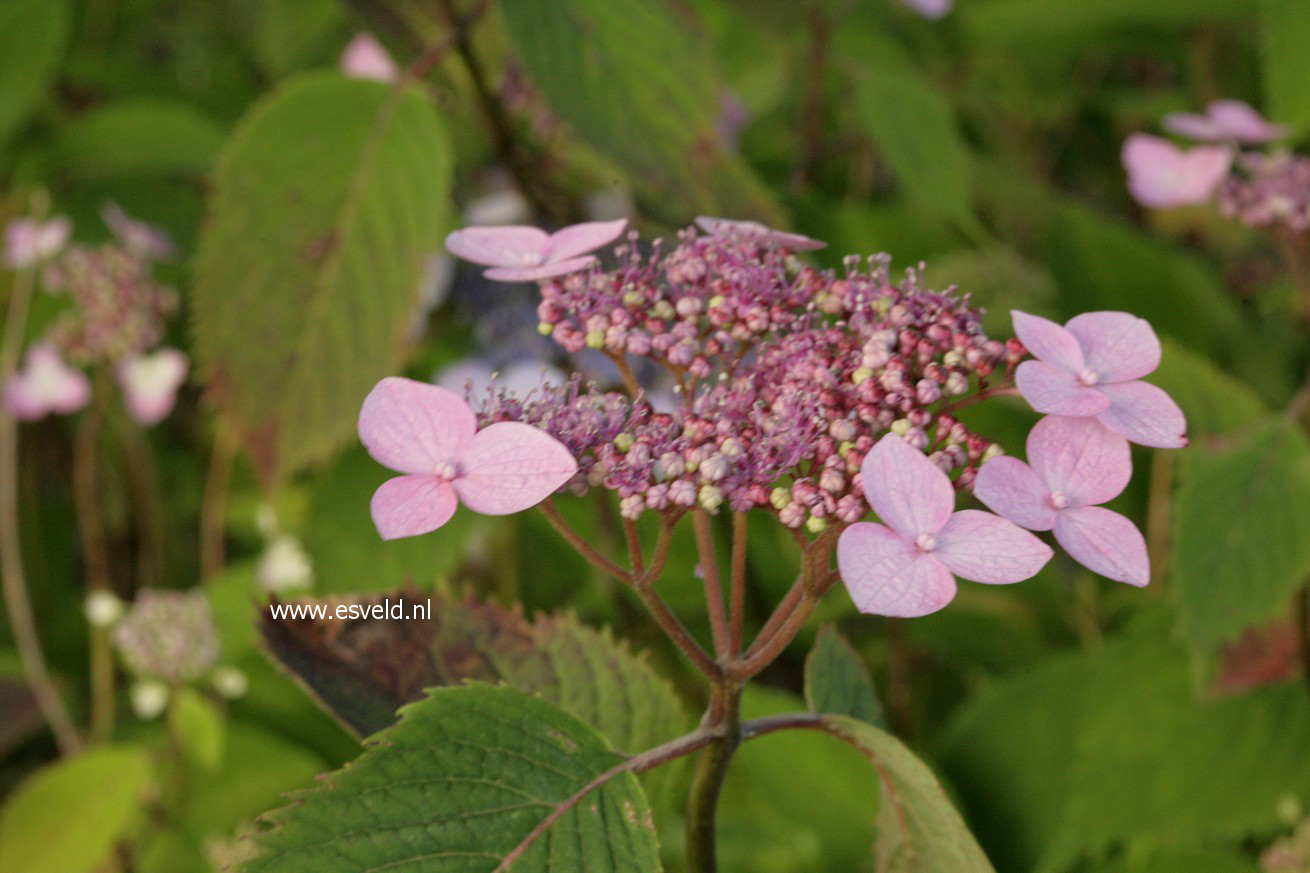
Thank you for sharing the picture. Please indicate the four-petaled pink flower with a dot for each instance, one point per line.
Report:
(365, 58)
(1161, 175)
(44, 385)
(906, 566)
(1073, 465)
(1225, 121)
(430, 435)
(28, 241)
(762, 232)
(1092, 367)
(150, 384)
(519, 253)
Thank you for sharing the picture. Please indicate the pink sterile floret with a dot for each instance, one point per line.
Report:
(906, 566)
(28, 241)
(518, 253)
(1161, 175)
(1225, 121)
(1092, 367)
(1073, 465)
(761, 233)
(44, 385)
(150, 384)
(430, 434)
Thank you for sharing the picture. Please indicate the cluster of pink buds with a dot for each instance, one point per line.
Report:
(809, 394)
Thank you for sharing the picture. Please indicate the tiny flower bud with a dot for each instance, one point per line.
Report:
(901, 426)
(102, 609)
(710, 498)
(994, 450)
(149, 698)
(816, 525)
(780, 497)
(623, 442)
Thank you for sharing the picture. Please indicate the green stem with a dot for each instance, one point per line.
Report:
(724, 717)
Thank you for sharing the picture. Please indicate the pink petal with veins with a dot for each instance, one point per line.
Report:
(1048, 341)
(911, 494)
(545, 271)
(1118, 346)
(1144, 414)
(578, 239)
(1012, 489)
(1104, 542)
(886, 575)
(983, 547)
(510, 246)
(509, 467)
(407, 506)
(414, 427)
(1080, 458)
(1056, 391)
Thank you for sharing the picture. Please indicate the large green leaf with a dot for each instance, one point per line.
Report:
(1284, 35)
(1090, 751)
(32, 37)
(1213, 401)
(638, 85)
(1240, 547)
(138, 137)
(837, 680)
(326, 201)
(69, 815)
(1072, 23)
(460, 781)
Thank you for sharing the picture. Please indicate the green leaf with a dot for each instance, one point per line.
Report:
(837, 680)
(326, 201)
(198, 725)
(1072, 22)
(465, 777)
(914, 129)
(918, 828)
(292, 36)
(638, 85)
(138, 137)
(69, 815)
(1093, 750)
(1284, 35)
(364, 670)
(1213, 401)
(1239, 547)
(32, 37)
(1189, 860)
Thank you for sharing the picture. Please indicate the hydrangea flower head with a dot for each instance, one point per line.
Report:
(906, 566)
(28, 241)
(1074, 464)
(1092, 367)
(430, 435)
(150, 383)
(168, 635)
(520, 253)
(1161, 175)
(46, 385)
(1225, 121)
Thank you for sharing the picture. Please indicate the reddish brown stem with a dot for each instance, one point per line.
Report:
(709, 564)
(737, 607)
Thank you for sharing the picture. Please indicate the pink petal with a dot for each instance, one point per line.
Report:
(911, 494)
(365, 58)
(1048, 341)
(1198, 127)
(150, 384)
(886, 575)
(512, 246)
(1080, 458)
(138, 236)
(407, 506)
(1104, 542)
(579, 239)
(28, 241)
(414, 427)
(1118, 346)
(509, 467)
(1057, 392)
(1010, 488)
(1235, 120)
(986, 548)
(765, 234)
(46, 384)
(933, 10)
(1144, 414)
(1161, 175)
(545, 271)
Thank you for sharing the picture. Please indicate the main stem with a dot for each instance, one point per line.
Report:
(723, 714)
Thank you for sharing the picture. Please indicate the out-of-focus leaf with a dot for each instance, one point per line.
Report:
(1072, 22)
(482, 767)
(198, 725)
(69, 815)
(1213, 401)
(327, 200)
(837, 680)
(1239, 548)
(292, 36)
(914, 129)
(638, 85)
(997, 279)
(138, 137)
(1093, 750)
(365, 669)
(1284, 35)
(32, 37)
(1191, 860)
(22, 715)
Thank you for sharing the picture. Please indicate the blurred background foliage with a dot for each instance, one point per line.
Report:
(1081, 726)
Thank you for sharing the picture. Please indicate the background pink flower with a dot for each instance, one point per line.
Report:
(45, 384)
(28, 241)
(1073, 465)
(1092, 367)
(1161, 175)
(519, 253)
(906, 566)
(1225, 121)
(150, 384)
(365, 58)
